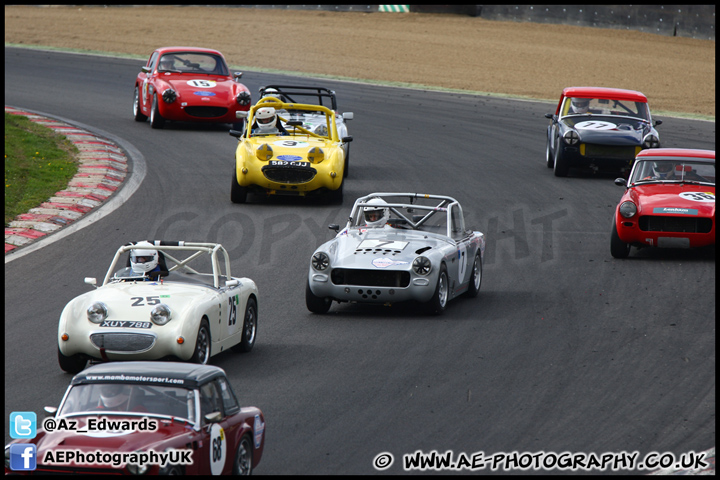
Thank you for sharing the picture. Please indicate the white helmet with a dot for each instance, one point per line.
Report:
(113, 395)
(580, 105)
(375, 214)
(271, 92)
(266, 118)
(663, 170)
(145, 259)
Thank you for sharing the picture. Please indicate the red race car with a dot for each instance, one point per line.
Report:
(189, 84)
(669, 201)
(143, 418)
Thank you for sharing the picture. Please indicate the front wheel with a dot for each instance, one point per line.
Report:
(561, 163)
(156, 120)
(440, 297)
(238, 194)
(201, 354)
(476, 279)
(72, 364)
(137, 111)
(316, 304)
(243, 458)
(549, 160)
(618, 248)
(249, 331)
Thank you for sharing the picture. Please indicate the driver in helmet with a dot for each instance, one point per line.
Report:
(272, 92)
(114, 397)
(376, 215)
(166, 63)
(267, 122)
(144, 261)
(662, 171)
(579, 105)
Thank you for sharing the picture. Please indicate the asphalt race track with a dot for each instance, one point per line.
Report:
(565, 348)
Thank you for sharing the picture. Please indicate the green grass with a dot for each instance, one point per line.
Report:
(38, 163)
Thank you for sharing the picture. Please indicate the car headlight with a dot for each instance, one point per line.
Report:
(651, 141)
(422, 266)
(243, 98)
(169, 95)
(264, 152)
(316, 155)
(137, 469)
(161, 314)
(320, 261)
(97, 312)
(571, 137)
(628, 209)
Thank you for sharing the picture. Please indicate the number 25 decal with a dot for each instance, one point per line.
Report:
(138, 301)
(233, 312)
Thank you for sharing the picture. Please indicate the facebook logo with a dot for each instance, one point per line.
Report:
(23, 425)
(23, 456)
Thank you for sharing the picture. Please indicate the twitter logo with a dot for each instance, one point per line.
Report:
(23, 425)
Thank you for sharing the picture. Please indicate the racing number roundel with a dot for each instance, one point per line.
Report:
(202, 83)
(218, 449)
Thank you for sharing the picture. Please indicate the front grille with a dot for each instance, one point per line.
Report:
(370, 278)
(287, 174)
(610, 151)
(206, 112)
(123, 342)
(675, 224)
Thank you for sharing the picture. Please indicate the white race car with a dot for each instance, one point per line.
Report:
(156, 306)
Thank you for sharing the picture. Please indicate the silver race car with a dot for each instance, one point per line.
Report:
(398, 247)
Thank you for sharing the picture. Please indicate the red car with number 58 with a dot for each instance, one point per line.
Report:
(669, 201)
(189, 84)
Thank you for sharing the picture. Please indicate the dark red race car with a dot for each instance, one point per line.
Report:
(199, 424)
(189, 84)
(669, 201)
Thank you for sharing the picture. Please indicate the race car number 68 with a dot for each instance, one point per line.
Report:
(218, 449)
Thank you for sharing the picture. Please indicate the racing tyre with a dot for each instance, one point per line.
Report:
(238, 194)
(201, 354)
(72, 364)
(440, 298)
(137, 112)
(156, 120)
(561, 163)
(316, 304)
(618, 248)
(476, 280)
(249, 329)
(243, 458)
(336, 196)
(549, 160)
(171, 470)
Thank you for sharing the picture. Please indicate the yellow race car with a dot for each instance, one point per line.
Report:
(280, 153)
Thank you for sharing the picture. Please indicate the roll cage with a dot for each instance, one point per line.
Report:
(168, 251)
(291, 92)
(293, 127)
(403, 213)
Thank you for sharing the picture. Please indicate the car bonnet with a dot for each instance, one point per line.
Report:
(674, 199)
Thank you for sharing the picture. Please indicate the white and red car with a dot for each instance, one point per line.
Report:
(669, 201)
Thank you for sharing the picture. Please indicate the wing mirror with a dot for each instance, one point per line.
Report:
(213, 417)
(347, 139)
(237, 75)
(347, 116)
(91, 281)
(621, 182)
(232, 283)
(145, 69)
(334, 226)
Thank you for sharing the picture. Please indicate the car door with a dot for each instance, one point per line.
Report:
(466, 249)
(217, 451)
(147, 80)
